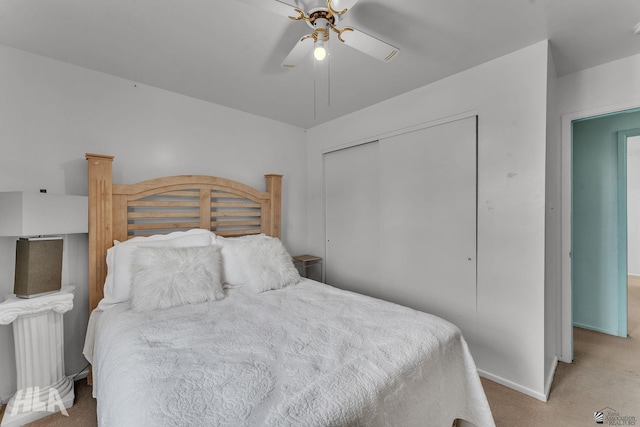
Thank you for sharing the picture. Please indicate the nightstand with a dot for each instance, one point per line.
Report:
(38, 334)
(309, 266)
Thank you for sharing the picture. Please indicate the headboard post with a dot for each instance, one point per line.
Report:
(100, 222)
(274, 187)
(205, 209)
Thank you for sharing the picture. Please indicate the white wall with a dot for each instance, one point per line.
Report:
(52, 113)
(633, 205)
(509, 95)
(607, 88)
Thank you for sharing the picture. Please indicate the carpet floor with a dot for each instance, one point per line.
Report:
(605, 374)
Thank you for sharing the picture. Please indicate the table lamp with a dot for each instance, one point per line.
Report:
(39, 220)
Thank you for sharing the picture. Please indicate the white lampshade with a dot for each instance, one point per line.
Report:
(40, 214)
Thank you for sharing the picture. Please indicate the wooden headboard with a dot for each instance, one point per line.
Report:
(162, 205)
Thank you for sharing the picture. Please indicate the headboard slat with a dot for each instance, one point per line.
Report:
(234, 223)
(160, 203)
(230, 214)
(234, 205)
(160, 214)
(165, 225)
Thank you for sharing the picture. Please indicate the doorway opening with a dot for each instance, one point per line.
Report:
(599, 240)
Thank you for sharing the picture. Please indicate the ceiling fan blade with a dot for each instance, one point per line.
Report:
(368, 44)
(276, 6)
(343, 5)
(299, 51)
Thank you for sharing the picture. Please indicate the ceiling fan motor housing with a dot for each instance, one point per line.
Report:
(316, 9)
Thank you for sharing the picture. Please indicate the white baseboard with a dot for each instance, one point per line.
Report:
(596, 329)
(517, 387)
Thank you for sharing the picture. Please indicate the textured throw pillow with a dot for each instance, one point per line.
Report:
(165, 277)
(117, 287)
(260, 262)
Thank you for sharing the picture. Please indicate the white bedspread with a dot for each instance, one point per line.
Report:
(306, 355)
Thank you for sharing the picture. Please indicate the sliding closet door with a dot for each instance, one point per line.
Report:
(352, 191)
(415, 226)
(429, 219)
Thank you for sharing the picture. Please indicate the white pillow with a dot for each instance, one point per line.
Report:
(165, 277)
(233, 270)
(117, 287)
(259, 262)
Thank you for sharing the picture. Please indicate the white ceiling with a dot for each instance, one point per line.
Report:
(229, 53)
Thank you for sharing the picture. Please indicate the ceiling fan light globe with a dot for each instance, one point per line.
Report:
(319, 53)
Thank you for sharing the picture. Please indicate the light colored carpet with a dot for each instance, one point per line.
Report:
(605, 373)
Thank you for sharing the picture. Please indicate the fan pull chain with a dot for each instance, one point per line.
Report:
(317, 79)
(329, 78)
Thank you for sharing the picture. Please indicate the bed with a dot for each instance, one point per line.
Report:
(200, 318)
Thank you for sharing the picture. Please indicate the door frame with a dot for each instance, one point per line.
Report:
(566, 312)
(622, 230)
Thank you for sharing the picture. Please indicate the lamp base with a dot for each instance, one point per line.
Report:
(38, 266)
(38, 333)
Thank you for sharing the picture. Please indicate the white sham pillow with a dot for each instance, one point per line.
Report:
(117, 287)
(260, 262)
(165, 277)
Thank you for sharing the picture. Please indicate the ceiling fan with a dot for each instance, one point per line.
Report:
(323, 17)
